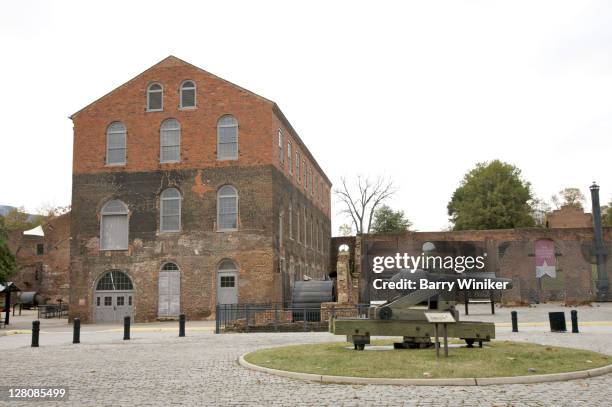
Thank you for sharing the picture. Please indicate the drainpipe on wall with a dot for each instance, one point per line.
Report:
(600, 250)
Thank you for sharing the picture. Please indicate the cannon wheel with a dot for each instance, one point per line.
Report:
(470, 342)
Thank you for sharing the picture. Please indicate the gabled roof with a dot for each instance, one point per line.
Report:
(171, 59)
(167, 61)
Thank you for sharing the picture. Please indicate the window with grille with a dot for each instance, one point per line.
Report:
(114, 226)
(227, 208)
(297, 166)
(228, 281)
(188, 94)
(113, 281)
(170, 141)
(227, 138)
(170, 210)
(170, 267)
(115, 144)
(155, 97)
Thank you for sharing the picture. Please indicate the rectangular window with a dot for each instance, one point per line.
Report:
(120, 301)
(281, 155)
(116, 150)
(305, 228)
(227, 281)
(280, 229)
(98, 301)
(290, 221)
(299, 237)
(130, 300)
(297, 166)
(170, 145)
(114, 232)
(40, 249)
(304, 172)
(306, 177)
(289, 163)
(108, 301)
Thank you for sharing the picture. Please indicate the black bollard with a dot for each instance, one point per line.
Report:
(35, 333)
(126, 328)
(76, 331)
(181, 325)
(574, 321)
(514, 321)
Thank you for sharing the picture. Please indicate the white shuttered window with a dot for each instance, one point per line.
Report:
(114, 226)
(170, 209)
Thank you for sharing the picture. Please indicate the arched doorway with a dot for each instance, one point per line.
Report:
(113, 297)
(169, 291)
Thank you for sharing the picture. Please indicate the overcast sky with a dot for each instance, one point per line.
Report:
(418, 91)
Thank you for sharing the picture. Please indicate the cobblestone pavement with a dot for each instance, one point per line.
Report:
(158, 368)
(161, 369)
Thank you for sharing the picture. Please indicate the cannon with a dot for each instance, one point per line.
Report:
(404, 316)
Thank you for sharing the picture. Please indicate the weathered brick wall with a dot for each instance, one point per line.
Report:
(48, 274)
(197, 249)
(511, 254)
(569, 217)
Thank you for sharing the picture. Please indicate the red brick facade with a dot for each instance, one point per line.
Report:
(265, 257)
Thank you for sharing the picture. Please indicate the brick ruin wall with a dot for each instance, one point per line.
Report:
(511, 254)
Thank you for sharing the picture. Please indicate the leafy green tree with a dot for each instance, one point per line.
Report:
(493, 195)
(569, 197)
(386, 220)
(7, 260)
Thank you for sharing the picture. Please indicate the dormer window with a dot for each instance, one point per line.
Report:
(155, 97)
(188, 95)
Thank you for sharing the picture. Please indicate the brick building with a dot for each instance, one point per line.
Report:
(190, 191)
(43, 259)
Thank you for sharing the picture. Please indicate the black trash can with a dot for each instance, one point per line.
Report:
(557, 321)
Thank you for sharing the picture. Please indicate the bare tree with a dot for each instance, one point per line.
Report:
(361, 202)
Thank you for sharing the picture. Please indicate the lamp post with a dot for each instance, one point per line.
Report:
(600, 250)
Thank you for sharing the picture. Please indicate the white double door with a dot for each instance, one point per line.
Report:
(169, 304)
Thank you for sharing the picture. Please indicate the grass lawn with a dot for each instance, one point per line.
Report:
(496, 359)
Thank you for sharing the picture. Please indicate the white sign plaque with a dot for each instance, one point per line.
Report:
(440, 317)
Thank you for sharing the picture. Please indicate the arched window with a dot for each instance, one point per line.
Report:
(188, 94)
(227, 208)
(170, 141)
(170, 267)
(115, 144)
(114, 280)
(227, 138)
(170, 211)
(114, 226)
(155, 97)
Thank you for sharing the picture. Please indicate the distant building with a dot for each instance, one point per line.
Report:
(190, 191)
(43, 259)
(569, 217)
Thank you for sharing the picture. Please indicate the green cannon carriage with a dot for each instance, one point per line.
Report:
(402, 316)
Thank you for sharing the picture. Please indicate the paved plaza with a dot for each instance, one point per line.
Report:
(158, 368)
